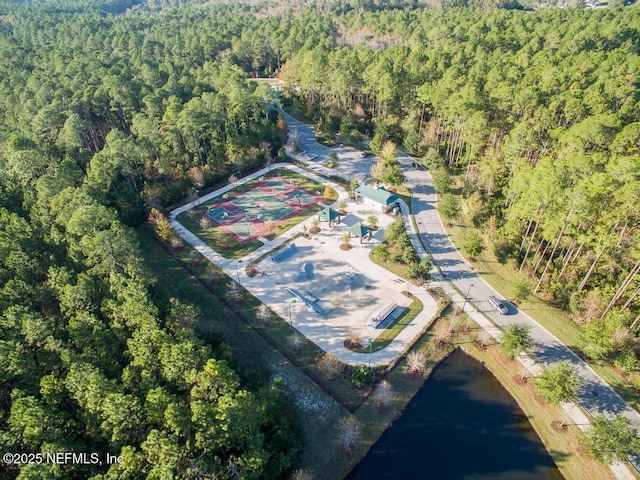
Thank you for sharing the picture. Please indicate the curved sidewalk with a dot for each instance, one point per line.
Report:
(270, 290)
(456, 275)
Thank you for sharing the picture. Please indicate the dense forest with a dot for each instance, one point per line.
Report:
(537, 113)
(111, 108)
(102, 118)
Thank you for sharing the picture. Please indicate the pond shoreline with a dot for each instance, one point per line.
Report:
(461, 412)
(564, 446)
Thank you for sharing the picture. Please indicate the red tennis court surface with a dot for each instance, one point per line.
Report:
(247, 214)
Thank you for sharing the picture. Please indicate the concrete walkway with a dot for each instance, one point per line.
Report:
(455, 275)
(329, 334)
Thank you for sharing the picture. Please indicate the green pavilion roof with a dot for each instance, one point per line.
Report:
(359, 230)
(329, 214)
(379, 195)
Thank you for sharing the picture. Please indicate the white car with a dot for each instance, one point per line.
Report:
(499, 304)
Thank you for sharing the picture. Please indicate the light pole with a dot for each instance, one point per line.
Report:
(291, 303)
(465, 297)
(370, 348)
(237, 274)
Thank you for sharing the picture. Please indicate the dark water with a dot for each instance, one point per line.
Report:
(461, 425)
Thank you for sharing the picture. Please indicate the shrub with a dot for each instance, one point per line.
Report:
(627, 362)
(361, 376)
(303, 475)
(425, 265)
(597, 340)
(403, 241)
(441, 180)
(484, 338)
(393, 232)
(449, 207)
(472, 243)
(348, 434)
(413, 270)
(329, 194)
(441, 333)
(382, 251)
(176, 242)
(270, 227)
(204, 222)
(521, 289)
(409, 255)
(416, 361)
(213, 274)
(296, 342)
(354, 339)
(393, 175)
(234, 291)
(330, 366)
(161, 225)
(264, 314)
(383, 394)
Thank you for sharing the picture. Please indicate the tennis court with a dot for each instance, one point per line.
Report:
(246, 215)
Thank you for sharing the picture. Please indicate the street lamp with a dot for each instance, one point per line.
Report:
(237, 274)
(291, 303)
(465, 297)
(370, 347)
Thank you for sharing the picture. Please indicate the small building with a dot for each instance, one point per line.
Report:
(376, 196)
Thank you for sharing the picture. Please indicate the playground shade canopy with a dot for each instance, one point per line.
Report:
(359, 230)
(329, 214)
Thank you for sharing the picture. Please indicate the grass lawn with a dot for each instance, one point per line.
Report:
(502, 277)
(227, 244)
(392, 331)
(563, 444)
(395, 265)
(256, 351)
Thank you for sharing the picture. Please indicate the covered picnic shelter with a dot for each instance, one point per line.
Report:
(360, 231)
(328, 214)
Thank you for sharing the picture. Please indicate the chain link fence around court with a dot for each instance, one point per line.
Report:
(249, 214)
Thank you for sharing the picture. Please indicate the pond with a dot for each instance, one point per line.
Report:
(462, 424)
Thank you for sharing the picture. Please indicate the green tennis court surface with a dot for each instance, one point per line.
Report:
(246, 215)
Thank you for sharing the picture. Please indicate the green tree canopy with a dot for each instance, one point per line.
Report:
(516, 339)
(559, 383)
(611, 440)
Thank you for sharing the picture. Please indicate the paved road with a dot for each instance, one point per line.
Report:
(351, 163)
(597, 397)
